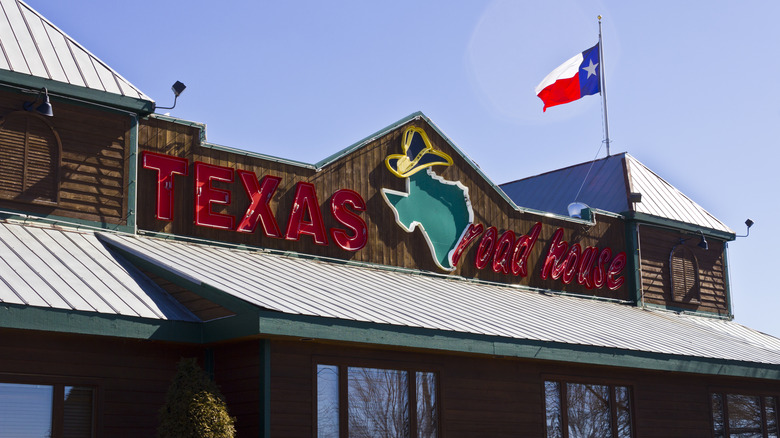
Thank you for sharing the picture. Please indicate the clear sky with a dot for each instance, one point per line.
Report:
(691, 89)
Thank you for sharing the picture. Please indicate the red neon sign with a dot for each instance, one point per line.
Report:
(304, 218)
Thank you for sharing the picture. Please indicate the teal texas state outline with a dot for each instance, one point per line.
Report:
(441, 208)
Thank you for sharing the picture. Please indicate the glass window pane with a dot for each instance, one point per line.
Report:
(427, 411)
(552, 407)
(623, 402)
(588, 411)
(717, 415)
(770, 405)
(744, 416)
(26, 410)
(327, 401)
(77, 412)
(378, 403)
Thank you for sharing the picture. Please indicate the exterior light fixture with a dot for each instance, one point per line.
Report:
(703, 243)
(635, 197)
(44, 108)
(177, 89)
(749, 224)
(576, 208)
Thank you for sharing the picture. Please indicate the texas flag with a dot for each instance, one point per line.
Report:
(575, 78)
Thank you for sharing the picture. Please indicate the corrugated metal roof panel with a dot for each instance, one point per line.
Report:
(659, 198)
(602, 182)
(71, 270)
(359, 293)
(33, 45)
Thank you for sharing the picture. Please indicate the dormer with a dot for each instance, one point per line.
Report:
(680, 261)
(73, 159)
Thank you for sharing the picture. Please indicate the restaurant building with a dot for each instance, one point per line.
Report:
(389, 290)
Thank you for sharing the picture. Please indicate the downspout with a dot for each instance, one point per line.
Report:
(132, 186)
(728, 279)
(632, 241)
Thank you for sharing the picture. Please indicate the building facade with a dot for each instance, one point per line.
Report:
(390, 289)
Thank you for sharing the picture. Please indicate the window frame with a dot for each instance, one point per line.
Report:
(725, 392)
(344, 364)
(58, 385)
(564, 380)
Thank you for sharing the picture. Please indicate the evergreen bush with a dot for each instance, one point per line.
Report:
(194, 406)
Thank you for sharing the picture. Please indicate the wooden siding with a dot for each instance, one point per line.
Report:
(655, 248)
(93, 165)
(499, 397)
(131, 377)
(364, 172)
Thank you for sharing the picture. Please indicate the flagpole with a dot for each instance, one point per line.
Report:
(603, 87)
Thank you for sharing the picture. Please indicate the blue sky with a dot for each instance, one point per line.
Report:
(690, 85)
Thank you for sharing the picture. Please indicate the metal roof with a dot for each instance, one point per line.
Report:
(661, 199)
(30, 44)
(301, 286)
(604, 187)
(607, 184)
(70, 270)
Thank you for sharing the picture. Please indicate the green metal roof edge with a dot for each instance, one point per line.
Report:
(307, 327)
(93, 323)
(60, 89)
(190, 123)
(644, 218)
(25, 217)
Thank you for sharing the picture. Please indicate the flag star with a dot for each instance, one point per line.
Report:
(591, 69)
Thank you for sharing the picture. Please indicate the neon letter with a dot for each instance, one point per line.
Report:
(553, 263)
(338, 207)
(166, 166)
(471, 233)
(485, 248)
(259, 209)
(617, 265)
(306, 204)
(206, 195)
(522, 250)
(503, 253)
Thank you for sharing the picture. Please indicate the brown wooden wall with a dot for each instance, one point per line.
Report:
(495, 397)
(93, 170)
(364, 172)
(655, 247)
(131, 376)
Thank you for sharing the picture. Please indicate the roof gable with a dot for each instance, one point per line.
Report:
(38, 54)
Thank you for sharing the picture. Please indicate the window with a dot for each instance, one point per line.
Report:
(375, 402)
(29, 158)
(575, 410)
(744, 416)
(43, 411)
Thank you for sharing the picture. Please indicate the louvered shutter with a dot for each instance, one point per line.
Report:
(685, 275)
(29, 159)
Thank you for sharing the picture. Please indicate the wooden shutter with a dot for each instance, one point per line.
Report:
(30, 153)
(684, 274)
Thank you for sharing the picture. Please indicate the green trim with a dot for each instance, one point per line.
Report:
(703, 313)
(727, 273)
(680, 226)
(299, 326)
(634, 261)
(229, 149)
(25, 217)
(265, 388)
(63, 90)
(132, 170)
(92, 323)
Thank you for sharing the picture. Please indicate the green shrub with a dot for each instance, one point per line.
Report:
(194, 406)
